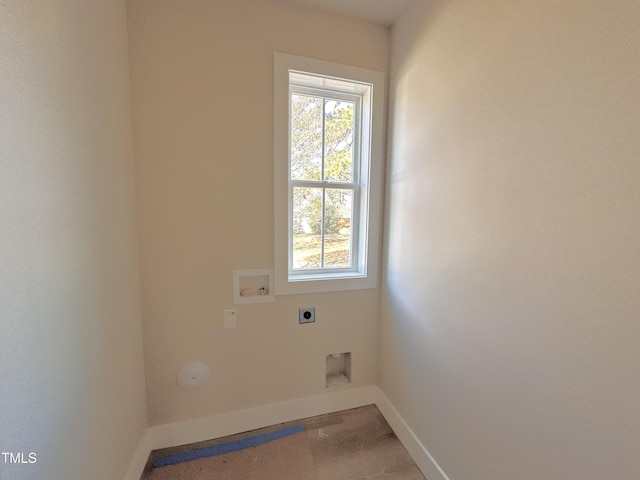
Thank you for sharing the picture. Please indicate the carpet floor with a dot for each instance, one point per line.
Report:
(353, 444)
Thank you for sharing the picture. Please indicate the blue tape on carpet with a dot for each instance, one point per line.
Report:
(223, 448)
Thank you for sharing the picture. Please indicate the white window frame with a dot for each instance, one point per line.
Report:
(366, 222)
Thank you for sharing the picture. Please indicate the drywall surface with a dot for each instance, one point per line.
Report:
(202, 81)
(510, 327)
(71, 364)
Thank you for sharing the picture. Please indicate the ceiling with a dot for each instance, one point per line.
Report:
(382, 12)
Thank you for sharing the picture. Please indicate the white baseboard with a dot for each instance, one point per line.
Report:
(425, 461)
(216, 426)
(140, 457)
(198, 430)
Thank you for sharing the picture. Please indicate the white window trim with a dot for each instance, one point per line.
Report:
(371, 181)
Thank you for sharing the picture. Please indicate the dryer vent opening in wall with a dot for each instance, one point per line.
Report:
(338, 369)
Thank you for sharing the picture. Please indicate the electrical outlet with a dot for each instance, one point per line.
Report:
(307, 315)
(229, 318)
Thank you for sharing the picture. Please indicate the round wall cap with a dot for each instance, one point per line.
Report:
(193, 375)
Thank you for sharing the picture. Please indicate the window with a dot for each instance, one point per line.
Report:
(328, 129)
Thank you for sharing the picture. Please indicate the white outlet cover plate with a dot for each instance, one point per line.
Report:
(229, 318)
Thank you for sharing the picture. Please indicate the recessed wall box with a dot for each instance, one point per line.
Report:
(338, 369)
(252, 286)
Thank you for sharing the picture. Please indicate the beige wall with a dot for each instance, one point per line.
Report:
(202, 80)
(71, 363)
(510, 330)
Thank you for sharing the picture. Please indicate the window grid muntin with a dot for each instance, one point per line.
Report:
(328, 94)
(355, 219)
(325, 94)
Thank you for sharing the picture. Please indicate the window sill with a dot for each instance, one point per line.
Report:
(327, 282)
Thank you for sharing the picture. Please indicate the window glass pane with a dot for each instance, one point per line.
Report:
(306, 137)
(337, 227)
(338, 150)
(307, 227)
